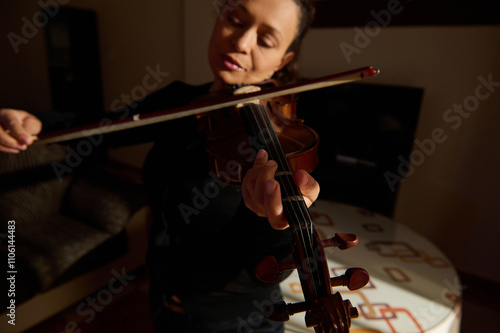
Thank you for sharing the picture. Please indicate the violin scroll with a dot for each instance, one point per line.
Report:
(331, 314)
(327, 314)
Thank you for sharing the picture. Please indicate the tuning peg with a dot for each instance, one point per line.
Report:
(353, 312)
(269, 270)
(333, 311)
(311, 319)
(354, 278)
(282, 311)
(342, 241)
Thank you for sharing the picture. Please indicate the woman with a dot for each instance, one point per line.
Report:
(207, 237)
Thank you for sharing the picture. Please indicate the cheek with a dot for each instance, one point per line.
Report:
(266, 63)
(214, 47)
(216, 38)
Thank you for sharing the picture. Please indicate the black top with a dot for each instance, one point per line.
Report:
(202, 234)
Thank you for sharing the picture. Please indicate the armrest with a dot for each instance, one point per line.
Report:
(30, 189)
(100, 199)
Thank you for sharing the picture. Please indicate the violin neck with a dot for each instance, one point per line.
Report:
(263, 136)
(326, 312)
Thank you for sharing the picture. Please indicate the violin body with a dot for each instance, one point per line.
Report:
(231, 150)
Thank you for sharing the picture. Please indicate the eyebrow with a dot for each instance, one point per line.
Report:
(267, 26)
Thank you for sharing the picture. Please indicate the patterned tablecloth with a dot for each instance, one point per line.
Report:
(413, 286)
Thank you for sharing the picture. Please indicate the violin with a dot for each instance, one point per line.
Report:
(230, 149)
(326, 312)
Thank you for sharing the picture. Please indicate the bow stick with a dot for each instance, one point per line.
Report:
(203, 107)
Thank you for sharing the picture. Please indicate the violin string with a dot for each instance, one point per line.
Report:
(279, 156)
(260, 119)
(260, 123)
(290, 189)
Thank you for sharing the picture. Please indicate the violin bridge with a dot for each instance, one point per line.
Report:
(247, 90)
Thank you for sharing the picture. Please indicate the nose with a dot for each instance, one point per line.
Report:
(243, 41)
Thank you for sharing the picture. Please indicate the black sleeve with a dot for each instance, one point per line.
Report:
(171, 96)
(174, 95)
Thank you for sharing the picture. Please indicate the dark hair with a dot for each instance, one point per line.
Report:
(289, 73)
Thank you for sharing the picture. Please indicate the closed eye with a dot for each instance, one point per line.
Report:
(234, 21)
(265, 43)
(267, 40)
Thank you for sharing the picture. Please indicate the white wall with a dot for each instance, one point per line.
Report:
(134, 36)
(199, 18)
(452, 195)
(24, 82)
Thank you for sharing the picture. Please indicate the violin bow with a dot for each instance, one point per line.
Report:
(203, 107)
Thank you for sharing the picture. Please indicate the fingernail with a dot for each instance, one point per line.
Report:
(270, 186)
(271, 163)
(23, 138)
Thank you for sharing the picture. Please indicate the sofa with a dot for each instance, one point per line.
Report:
(68, 224)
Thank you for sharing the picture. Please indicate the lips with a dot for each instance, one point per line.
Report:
(231, 64)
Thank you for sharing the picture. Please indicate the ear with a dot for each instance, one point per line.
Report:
(286, 59)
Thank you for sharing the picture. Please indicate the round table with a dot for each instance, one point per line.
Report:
(413, 286)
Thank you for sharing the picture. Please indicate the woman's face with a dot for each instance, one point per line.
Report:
(250, 40)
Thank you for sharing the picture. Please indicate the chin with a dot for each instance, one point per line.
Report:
(230, 78)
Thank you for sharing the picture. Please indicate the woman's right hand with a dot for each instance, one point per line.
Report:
(18, 130)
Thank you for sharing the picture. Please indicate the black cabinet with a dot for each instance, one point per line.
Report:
(74, 61)
(366, 135)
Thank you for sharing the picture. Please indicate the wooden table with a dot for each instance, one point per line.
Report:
(413, 286)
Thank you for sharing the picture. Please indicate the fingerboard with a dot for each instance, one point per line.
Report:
(263, 136)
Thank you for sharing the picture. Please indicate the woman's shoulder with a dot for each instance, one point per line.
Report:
(173, 95)
(186, 88)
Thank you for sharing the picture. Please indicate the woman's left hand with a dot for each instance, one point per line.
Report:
(261, 192)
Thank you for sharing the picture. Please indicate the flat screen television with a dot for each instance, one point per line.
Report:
(365, 130)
